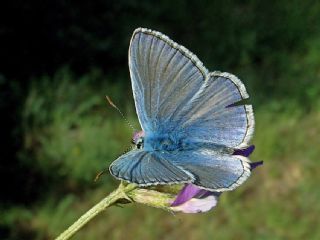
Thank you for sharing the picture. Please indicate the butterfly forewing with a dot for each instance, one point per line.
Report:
(164, 77)
(210, 116)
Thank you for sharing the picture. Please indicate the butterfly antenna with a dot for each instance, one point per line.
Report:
(125, 119)
(99, 174)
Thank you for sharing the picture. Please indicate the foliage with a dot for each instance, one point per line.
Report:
(69, 128)
(70, 134)
(261, 41)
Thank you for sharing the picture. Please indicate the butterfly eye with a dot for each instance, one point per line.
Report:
(139, 143)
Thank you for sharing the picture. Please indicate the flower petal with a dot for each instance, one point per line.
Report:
(253, 165)
(196, 205)
(244, 152)
(188, 191)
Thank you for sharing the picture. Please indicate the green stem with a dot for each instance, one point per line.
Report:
(119, 193)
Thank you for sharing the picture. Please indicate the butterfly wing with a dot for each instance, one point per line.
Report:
(203, 167)
(212, 171)
(174, 92)
(148, 168)
(164, 77)
(212, 115)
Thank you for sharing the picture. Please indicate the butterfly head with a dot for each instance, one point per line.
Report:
(138, 138)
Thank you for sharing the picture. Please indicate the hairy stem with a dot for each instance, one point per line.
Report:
(120, 193)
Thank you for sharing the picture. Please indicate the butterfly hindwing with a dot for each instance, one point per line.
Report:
(148, 168)
(203, 167)
(212, 171)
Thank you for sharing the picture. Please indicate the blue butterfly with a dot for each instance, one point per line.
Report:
(191, 124)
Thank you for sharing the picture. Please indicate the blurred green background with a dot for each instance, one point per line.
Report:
(60, 58)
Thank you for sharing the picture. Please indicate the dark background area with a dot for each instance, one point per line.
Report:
(60, 58)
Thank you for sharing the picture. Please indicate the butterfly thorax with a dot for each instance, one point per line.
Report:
(174, 142)
(163, 142)
(157, 142)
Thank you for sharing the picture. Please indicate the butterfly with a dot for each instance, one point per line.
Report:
(192, 120)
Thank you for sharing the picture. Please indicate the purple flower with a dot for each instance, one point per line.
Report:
(193, 199)
(244, 152)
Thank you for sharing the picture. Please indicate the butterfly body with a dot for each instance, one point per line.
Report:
(177, 142)
(191, 124)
